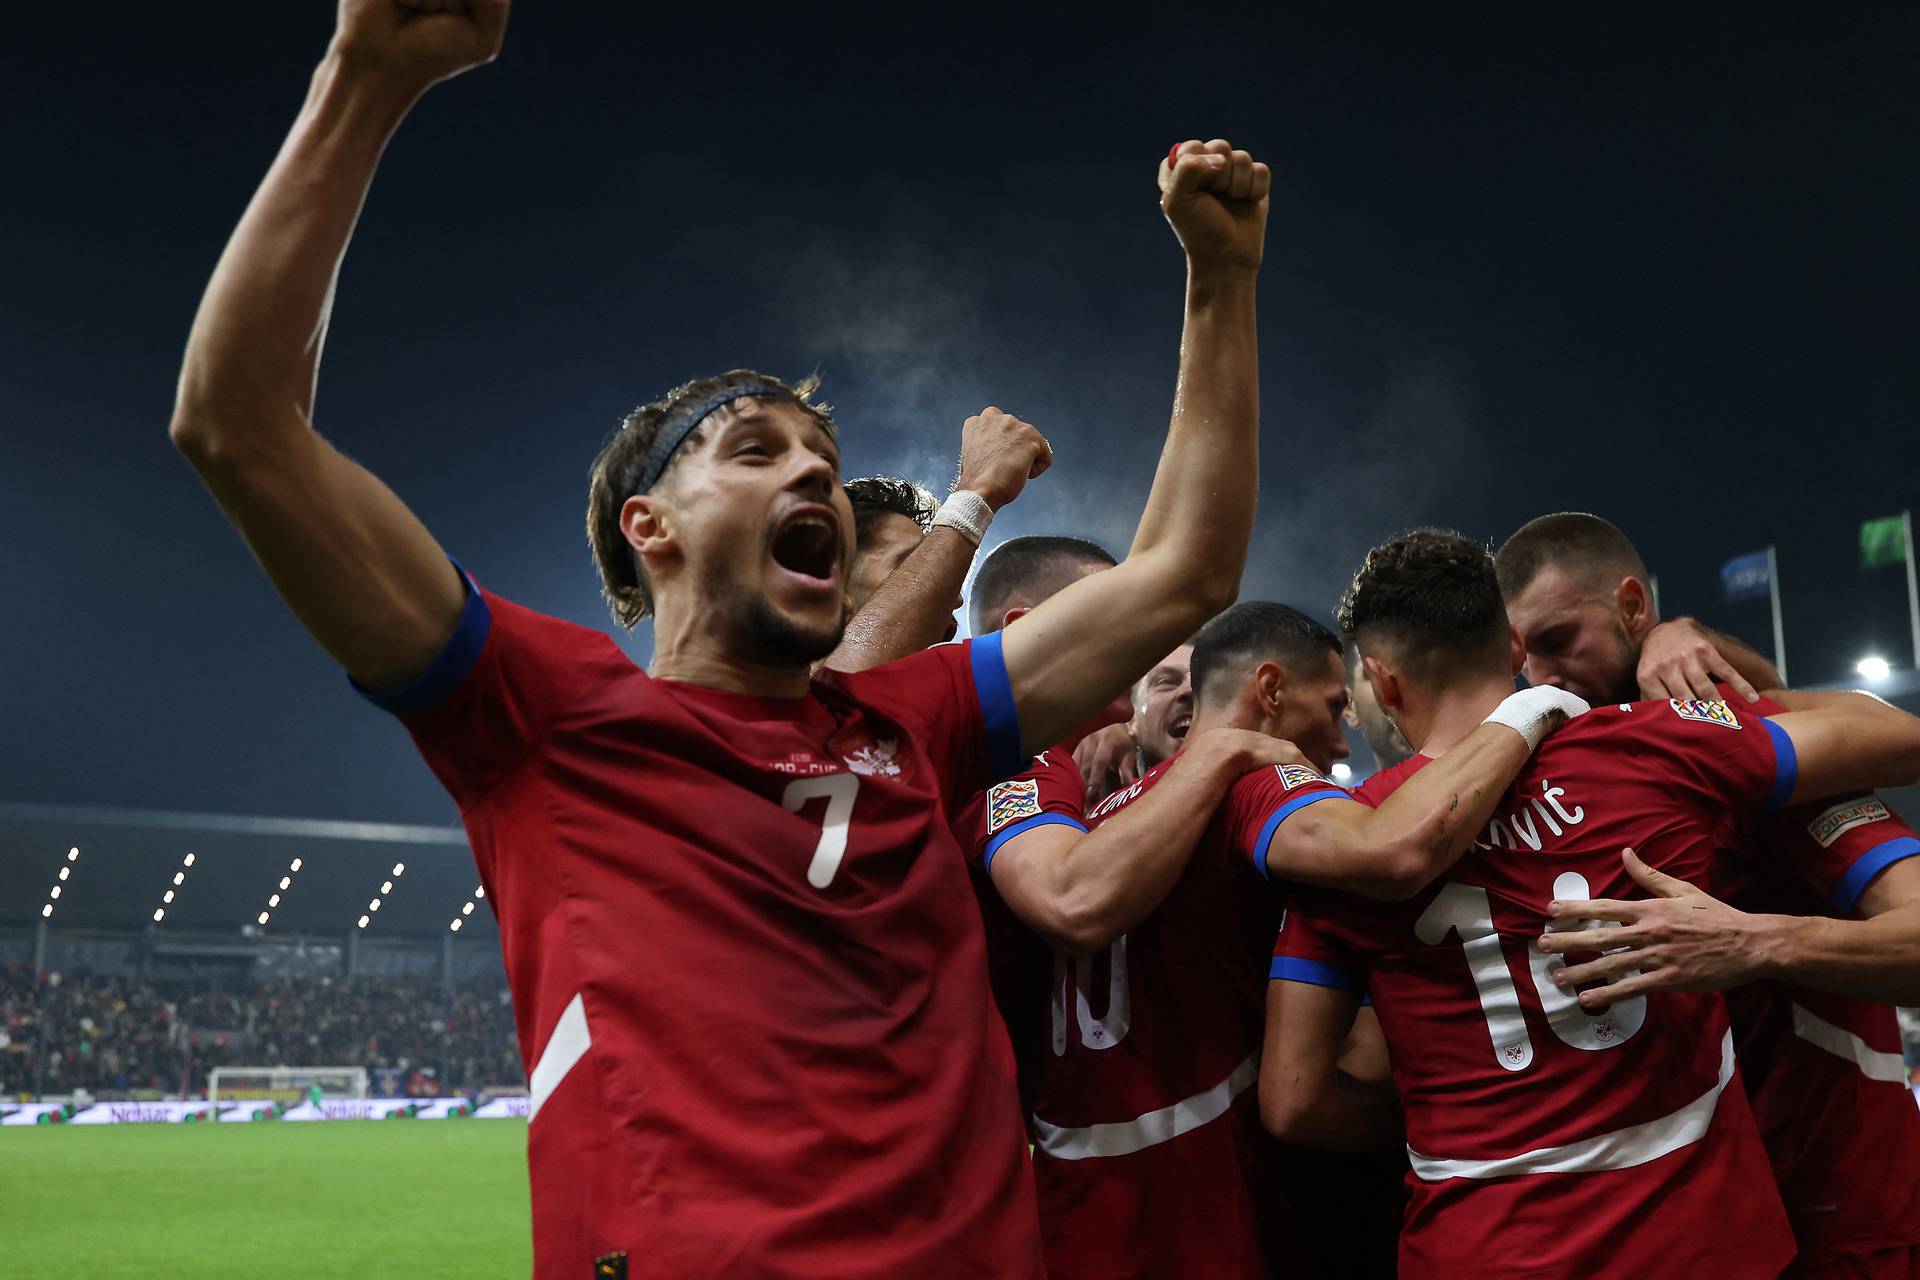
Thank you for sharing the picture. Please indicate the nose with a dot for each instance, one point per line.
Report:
(812, 476)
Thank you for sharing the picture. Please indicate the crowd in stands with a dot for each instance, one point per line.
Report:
(106, 1034)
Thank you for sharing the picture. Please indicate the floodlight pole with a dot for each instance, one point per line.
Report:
(1913, 591)
(1779, 631)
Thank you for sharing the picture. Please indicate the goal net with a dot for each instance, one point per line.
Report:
(284, 1084)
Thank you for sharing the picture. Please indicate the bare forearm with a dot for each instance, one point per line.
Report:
(1099, 885)
(1419, 831)
(911, 609)
(254, 350)
(1342, 1114)
(1873, 959)
(1855, 743)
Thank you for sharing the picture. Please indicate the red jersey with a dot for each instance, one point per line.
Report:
(1149, 1155)
(1049, 793)
(1546, 1141)
(749, 984)
(1825, 1071)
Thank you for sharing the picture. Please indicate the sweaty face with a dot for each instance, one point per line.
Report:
(1310, 711)
(890, 539)
(1163, 706)
(764, 533)
(1574, 638)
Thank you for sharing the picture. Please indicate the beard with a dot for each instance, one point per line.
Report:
(1626, 678)
(765, 636)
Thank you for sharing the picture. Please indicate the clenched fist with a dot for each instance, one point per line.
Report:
(1216, 200)
(998, 455)
(418, 42)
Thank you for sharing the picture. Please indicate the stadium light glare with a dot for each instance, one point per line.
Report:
(46, 911)
(374, 905)
(159, 914)
(286, 882)
(65, 872)
(455, 926)
(481, 892)
(387, 887)
(399, 868)
(273, 900)
(1342, 771)
(179, 877)
(467, 910)
(1874, 668)
(167, 897)
(295, 866)
(363, 921)
(187, 861)
(73, 854)
(55, 892)
(263, 917)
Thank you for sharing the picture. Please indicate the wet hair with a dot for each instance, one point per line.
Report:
(1428, 600)
(619, 472)
(1253, 632)
(1024, 571)
(1584, 547)
(876, 496)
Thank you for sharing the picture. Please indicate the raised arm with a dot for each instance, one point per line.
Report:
(1080, 890)
(1682, 659)
(1394, 851)
(1849, 742)
(1068, 657)
(912, 608)
(362, 573)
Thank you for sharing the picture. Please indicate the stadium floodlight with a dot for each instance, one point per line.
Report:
(295, 866)
(159, 914)
(363, 921)
(374, 905)
(386, 886)
(286, 882)
(1342, 771)
(55, 893)
(455, 926)
(65, 872)
(263, 917)
(1874, 668)
(399, 868)
(481, 892)
(73, 854)
(467, 910)
(273, 900)
(46, 910)
(167, 896)
(179, 877)
(187, 861)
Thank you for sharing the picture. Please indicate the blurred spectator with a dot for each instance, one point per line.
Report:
(111, 1034)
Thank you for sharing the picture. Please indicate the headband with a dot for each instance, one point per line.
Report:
(683, 420)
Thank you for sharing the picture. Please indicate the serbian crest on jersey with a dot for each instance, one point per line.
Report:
(870, 755)
(1296, 775)
(1844, 817)
(1705, 712)
(1010, 802)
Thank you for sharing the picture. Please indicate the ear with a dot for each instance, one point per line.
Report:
(1633, 604)
(1008, 618)
(1270, 681)
(644, 522)
(1518, 656)
(1386, 683)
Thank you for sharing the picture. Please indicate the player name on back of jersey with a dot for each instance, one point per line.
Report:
(1532, 822)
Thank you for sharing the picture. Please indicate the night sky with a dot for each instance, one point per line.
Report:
(1663, 272)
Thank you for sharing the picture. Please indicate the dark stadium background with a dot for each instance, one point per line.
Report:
(1656, 265)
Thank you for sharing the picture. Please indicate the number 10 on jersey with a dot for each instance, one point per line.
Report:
(1465, 910)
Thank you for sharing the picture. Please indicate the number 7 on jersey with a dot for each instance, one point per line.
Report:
(839, 789)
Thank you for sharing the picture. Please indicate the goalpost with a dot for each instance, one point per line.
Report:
(284, 1084)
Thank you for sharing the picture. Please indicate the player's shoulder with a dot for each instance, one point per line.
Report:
(908, 679)
(1131, 792)
(1385, 782)
(1282, 780)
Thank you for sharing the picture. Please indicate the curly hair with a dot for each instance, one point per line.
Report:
(616, 474)
(876, 496)
(1428, 598)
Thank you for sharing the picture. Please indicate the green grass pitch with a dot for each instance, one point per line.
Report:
(356, 1198)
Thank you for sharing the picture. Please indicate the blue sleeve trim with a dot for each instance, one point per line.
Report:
(1024, 826)
(446, 670)
(997, 709)
(1315, 973)
(1870, 864)
(1786, 766)
(1280, 815)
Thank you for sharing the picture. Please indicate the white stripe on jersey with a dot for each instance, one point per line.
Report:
(1874, 1065)
(1124, 1137)
(566, 1046)
(1620, 1149)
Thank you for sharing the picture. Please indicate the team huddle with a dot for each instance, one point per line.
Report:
(841, 949)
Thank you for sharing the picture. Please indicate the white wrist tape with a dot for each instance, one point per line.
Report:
(967, 513)
(1534, 713)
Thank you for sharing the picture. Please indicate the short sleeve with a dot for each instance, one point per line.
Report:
(1258, 803)
(960, 699)
(1725, 759)
(1839, 847)
(494, 691)
(1049, 793)
(1304, 951)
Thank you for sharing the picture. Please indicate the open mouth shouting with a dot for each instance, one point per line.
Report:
(806, 548)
